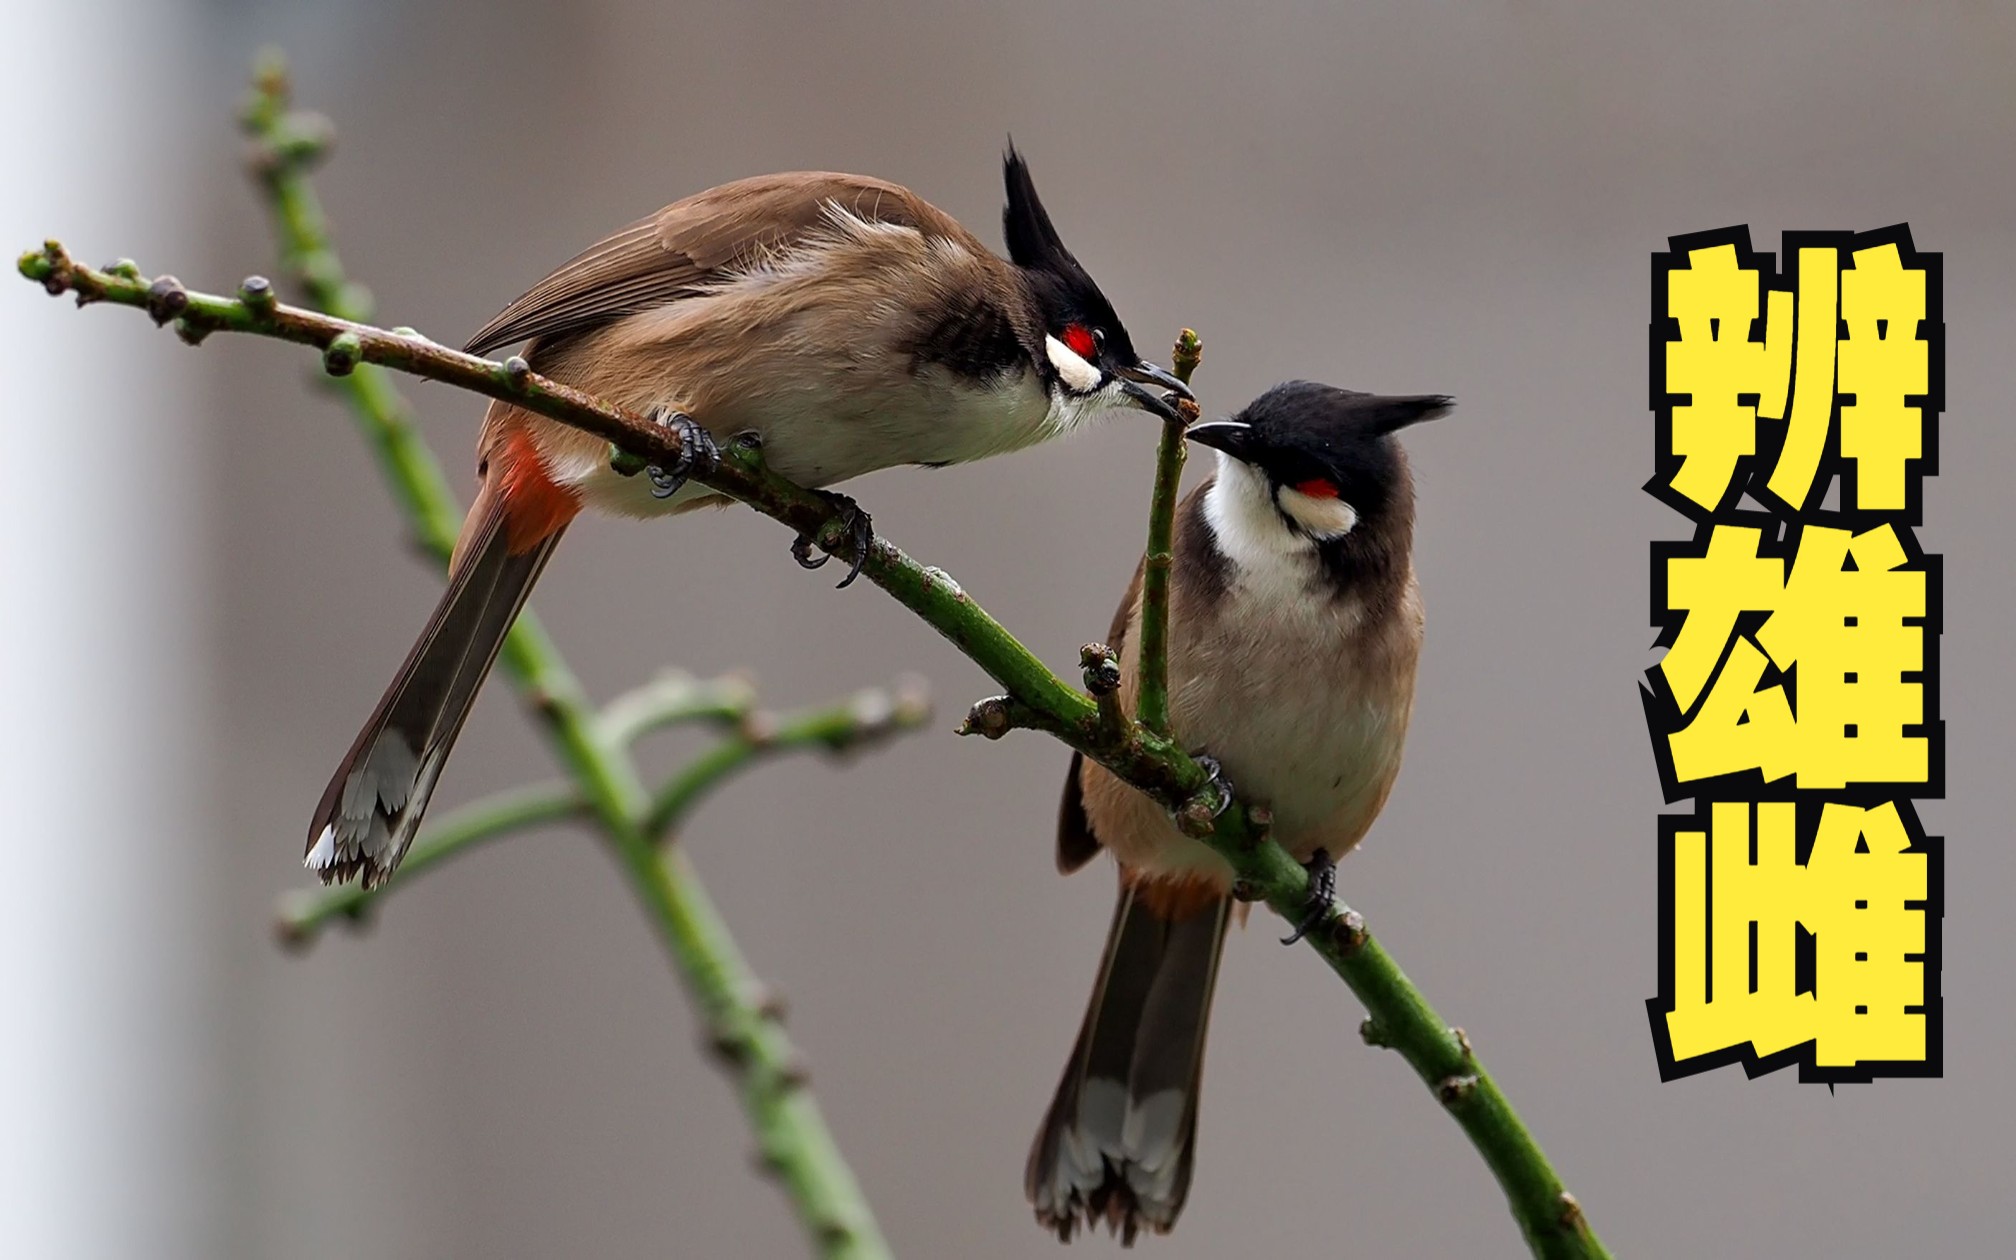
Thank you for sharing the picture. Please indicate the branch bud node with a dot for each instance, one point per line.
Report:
(191, 332)
(257, 295)
(1199, 816)
(344, 352)
(1102, 669)
(989, 717)
(49, 266)
(939, 578)
(1571, 1218)
(1348, 934)
(1455, 1089)
(166, 299)
(1372, 1034)
(517, 372)
(834, 1235)
(1188, 354)
(729, 1046)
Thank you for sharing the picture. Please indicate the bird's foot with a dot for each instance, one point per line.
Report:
(697, 453)
(1322, 870)
(1215, 778)
(860, 531)
(1198, 815)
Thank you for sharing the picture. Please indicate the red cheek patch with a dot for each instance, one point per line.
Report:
(1081, 341)
(1316, 488)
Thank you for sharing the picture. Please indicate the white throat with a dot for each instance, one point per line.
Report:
(1274, 564)
(1240, 509)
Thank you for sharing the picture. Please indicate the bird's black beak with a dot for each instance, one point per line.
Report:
(1229, 436)
(1132, 380)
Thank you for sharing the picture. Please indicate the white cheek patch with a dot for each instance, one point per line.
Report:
(1078, 376)
(1324, 519)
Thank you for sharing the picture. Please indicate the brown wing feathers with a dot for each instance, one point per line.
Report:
(690, 244)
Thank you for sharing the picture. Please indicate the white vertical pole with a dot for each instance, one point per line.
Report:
(108, 995)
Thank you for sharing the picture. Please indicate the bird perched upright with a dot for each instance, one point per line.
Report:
(847, 322)
(1294, 627)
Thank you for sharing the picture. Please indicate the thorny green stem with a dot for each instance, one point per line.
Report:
(744, 1022)
(1549, 1217)
(1152, 707)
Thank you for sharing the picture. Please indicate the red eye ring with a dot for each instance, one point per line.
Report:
(1082, 341)
(1317, 488)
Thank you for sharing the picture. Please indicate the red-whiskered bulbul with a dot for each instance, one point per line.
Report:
(1294, 627)
(846, 321)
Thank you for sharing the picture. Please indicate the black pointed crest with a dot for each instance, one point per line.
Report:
(1063, 291)
(1390, 415)
(1302, 430)
(1032, 239)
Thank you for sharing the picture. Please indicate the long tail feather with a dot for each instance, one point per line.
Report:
(374, 803)
(1118, 1142)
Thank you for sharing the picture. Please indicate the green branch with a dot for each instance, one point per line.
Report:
(675, 698)
(1159, 559)
(743, 1021)
(858, 723)
(1036, 698)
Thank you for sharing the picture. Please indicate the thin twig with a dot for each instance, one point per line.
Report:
(1553, 1223)
(848, 727)
(1152, 705)
(741, 1017)
(674, 698)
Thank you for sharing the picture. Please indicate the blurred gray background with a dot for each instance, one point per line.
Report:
(206, 587)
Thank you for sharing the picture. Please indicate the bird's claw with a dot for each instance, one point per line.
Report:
(1215, 777)
(697, 453)
(1322, 870)
(860, 531)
